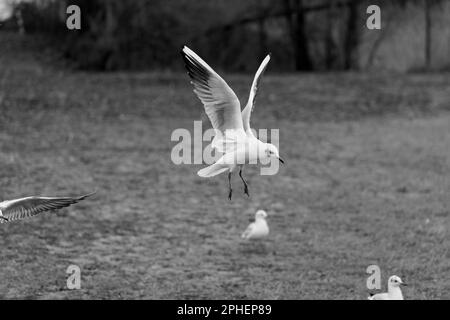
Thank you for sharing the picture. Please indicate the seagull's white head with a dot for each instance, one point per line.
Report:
(271, 151)
(260, 214)
(395, 282)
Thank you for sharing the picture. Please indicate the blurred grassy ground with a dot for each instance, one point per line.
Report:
(366, 182)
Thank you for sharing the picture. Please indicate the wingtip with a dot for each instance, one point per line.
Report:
(186, 50)
(267, 58)
(88, 195)
(183, 52)
(186, 54)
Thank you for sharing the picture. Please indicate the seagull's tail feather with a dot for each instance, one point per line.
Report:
(212, 170)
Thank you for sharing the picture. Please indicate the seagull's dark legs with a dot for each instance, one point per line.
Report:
(245, 183)
(4, 218)
(229, 185)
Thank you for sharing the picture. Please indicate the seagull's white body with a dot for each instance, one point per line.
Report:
(394, 291)
(245, 153)
(234, 137)
(21, 208)
(257, 229)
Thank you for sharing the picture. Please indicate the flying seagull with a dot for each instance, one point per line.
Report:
(394, 292)
(18, 209)
(233, 137)
(257, 229)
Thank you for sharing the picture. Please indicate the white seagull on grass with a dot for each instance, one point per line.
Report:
(17, 209)
(257, 229)
(234, 137)
(394, 292)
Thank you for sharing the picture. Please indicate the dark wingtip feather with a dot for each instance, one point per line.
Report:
(195, 70)
(87, 195)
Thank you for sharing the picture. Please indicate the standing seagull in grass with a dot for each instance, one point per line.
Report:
(257, 229)
(233, 137)
(18, 209)
(394, 292)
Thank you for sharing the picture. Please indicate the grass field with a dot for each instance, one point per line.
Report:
(366, 182)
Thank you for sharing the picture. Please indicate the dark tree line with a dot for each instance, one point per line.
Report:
(293, 17)
(305, 35)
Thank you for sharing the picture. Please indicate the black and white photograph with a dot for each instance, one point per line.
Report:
(224, 150)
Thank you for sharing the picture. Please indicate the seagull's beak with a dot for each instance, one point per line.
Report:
(281, 160)
(403, 284)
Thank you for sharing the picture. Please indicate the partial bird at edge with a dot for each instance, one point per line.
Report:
(17, 209)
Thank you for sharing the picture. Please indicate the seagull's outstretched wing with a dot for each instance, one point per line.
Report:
(221, 103)
(26, 207)
(253, 91)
